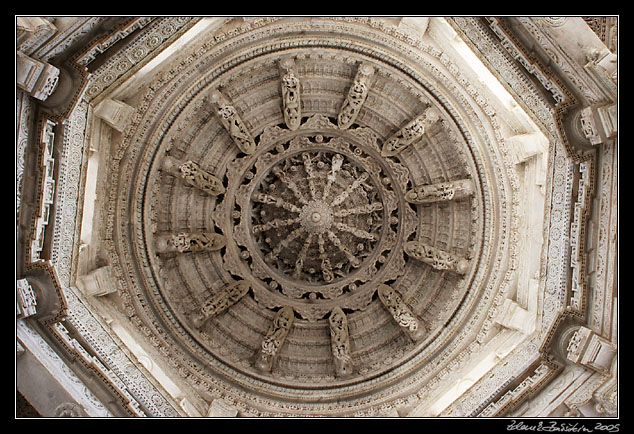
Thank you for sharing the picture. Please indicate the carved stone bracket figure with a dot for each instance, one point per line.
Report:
(221, 301)
(290, 94)
(356, 96)
(400, 311)
(194, 175)
(233, 124)
(183, 242)
(340, 342)
(440, 192)
(274, 339)
(437, 258)
(410, 133)
(197, 177)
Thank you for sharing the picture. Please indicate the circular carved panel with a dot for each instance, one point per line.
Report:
(311, 290)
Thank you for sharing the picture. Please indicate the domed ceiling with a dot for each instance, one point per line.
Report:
(311, 217)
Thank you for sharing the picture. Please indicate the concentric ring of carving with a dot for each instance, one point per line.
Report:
(318, 215)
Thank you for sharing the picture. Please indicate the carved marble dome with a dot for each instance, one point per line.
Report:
(322, 216)
(337, 160)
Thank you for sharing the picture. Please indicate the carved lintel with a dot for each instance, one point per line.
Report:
(437, 258)
(233, 123)
(356, 96)
(274, 339)
(440, 192)
(410, 133)
(183, 242)
(291, 99)
(340, 342)
(400, 311)
(225, 298)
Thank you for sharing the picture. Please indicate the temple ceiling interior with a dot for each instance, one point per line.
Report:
(306, 216)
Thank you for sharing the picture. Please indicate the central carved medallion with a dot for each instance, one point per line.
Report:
(318, 217)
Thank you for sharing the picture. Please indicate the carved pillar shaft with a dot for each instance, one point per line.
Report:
(437, 258)
(400, 311)
(340, 342)
(232, 123)
(189, 242)
(290, 94)
(443, 191)
(274, 339)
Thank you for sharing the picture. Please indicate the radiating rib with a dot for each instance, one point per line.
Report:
(308, 165)
(284, 243)
(275, 201)
(354, 231)
(274, 224)
(290, 184)
(361, 209)
(326, 267)
(344, 194)
(299, 264)
(337, 242)
(337, 161)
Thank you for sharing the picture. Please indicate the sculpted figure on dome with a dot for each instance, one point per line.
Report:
(437, 258)
(440, 192)
(410, 133)
(290, 94)
(192, 173)
(274, 339)
(233, 124)
(340, 342)
(356, 96)
(225, 298)
(400, 311)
